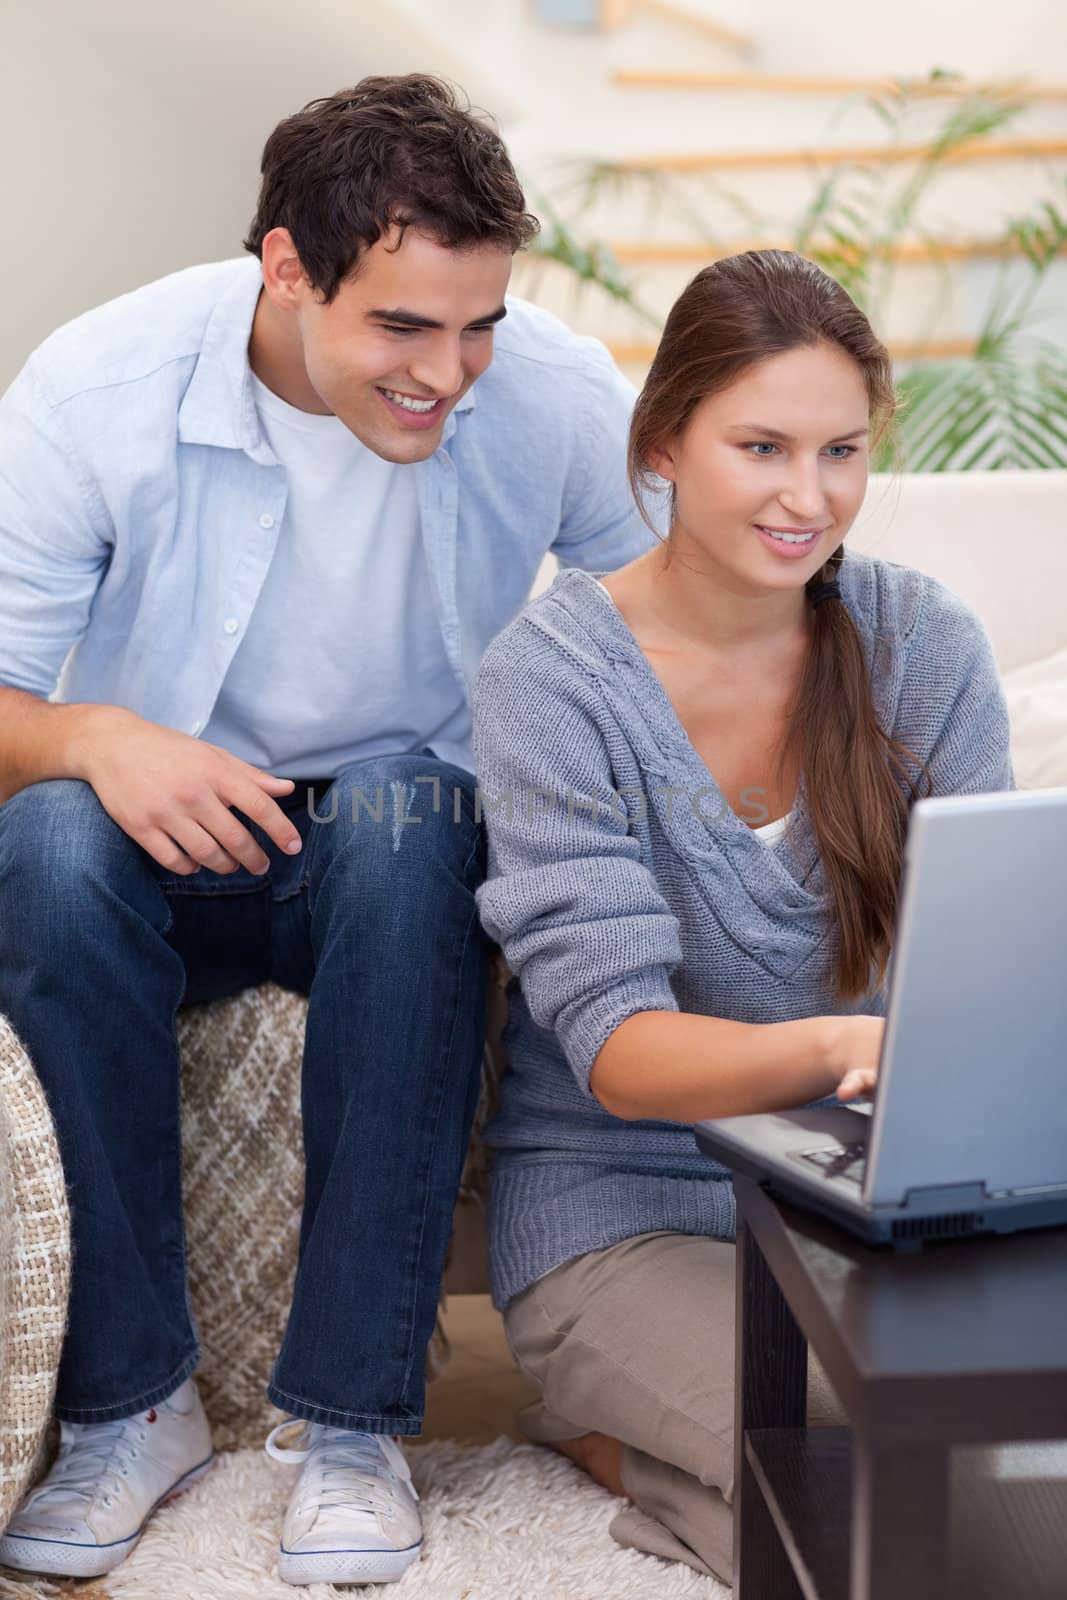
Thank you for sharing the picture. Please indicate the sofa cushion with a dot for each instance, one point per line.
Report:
(1037, 709)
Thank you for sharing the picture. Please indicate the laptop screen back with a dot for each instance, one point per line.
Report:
(973, 1076)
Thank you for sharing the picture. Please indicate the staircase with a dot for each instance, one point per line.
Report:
(709, 127)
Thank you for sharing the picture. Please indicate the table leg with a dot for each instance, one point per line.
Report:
(900, 1523)
(771, 1378)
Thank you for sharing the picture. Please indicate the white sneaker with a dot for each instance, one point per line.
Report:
(352, 1515)
(108, 1478)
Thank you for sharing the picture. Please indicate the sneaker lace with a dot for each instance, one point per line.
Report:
(351, 1468)
(93, 1457)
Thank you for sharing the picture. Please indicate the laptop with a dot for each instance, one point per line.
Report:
(968, 1130)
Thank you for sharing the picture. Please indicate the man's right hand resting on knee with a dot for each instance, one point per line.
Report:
(169, 792)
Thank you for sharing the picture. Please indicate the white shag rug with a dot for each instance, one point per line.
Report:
(503, 1521)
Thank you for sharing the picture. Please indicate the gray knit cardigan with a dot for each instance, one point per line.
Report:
(620, 881)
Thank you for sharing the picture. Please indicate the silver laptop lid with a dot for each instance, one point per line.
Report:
(973, 1072)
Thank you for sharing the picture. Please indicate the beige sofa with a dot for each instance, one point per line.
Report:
(998, 540)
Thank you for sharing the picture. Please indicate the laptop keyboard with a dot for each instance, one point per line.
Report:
(839, 1161)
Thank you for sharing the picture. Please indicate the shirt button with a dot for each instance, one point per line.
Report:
(231, 625)
(196, 728)
(266, 520)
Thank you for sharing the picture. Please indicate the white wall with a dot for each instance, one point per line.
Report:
(132, 131)
(560, 75)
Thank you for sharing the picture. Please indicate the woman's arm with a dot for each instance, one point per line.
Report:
(678, 1067)
(578, 915)
(583, 924)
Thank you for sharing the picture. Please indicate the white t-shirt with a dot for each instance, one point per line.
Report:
(343, 657)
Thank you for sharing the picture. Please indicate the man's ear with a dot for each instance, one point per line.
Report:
(284, 278)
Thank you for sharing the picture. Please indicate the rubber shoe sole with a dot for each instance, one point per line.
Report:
(62, 1559)
(346, 1566)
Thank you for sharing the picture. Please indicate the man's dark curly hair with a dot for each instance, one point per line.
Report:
(392, 151)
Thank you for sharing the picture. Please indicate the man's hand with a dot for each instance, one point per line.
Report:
(172, 794)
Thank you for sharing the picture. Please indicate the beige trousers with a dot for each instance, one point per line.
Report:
(637, 1342)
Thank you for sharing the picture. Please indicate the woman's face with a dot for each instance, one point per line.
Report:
(782, 451)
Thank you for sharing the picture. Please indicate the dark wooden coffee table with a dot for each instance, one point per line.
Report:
(935, 1356)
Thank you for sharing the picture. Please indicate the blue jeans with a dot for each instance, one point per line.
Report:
(375, 921)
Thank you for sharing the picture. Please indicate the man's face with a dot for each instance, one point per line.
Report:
(404, 339)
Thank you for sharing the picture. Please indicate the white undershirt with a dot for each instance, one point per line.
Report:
(343, 657)
(769, 832)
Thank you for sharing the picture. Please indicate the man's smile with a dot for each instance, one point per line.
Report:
(411, 410)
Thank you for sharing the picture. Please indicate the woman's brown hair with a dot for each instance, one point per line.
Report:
(734, 313)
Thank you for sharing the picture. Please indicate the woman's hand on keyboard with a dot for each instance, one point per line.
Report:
(857, 1084)
(856, 1046)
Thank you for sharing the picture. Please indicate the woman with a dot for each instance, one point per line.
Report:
(697, 774)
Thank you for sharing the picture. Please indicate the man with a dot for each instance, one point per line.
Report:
(263, 520)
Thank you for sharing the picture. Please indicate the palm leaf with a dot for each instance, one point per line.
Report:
(591, 264)
(998, 409)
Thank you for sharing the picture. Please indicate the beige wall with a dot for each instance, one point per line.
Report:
(132, 131)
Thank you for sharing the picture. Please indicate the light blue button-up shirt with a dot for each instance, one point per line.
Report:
(140, 504)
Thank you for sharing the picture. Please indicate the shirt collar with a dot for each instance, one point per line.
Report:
(219, 407)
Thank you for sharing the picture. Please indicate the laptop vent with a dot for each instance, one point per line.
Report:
(955, 1225)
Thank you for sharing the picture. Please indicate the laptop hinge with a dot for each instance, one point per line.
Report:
(948, 1196)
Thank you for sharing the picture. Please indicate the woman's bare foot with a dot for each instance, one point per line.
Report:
(599, 1455)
